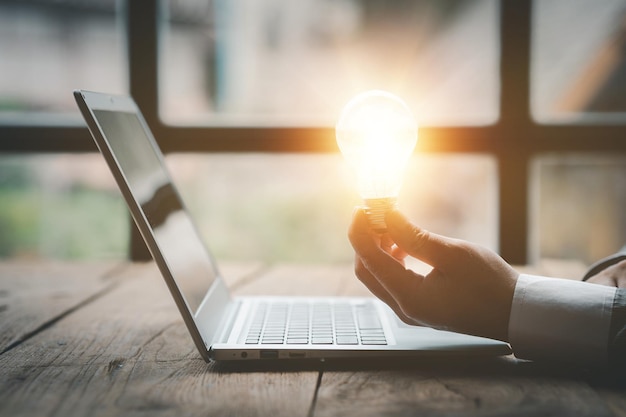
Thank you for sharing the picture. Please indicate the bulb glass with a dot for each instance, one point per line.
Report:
(376, 134)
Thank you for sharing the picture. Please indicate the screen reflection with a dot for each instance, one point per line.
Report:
(172, 228)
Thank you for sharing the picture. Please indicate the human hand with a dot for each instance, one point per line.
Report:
(613, 276)
(469, 290)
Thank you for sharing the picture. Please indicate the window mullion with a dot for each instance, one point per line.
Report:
(142, 31)
(515, 146)
(142, 19)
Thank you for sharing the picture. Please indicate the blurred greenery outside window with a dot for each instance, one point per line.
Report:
(284, 63)
(61, 206)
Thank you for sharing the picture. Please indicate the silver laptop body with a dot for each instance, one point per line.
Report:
(224, 327)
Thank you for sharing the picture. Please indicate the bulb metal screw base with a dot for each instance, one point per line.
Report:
(376, 208)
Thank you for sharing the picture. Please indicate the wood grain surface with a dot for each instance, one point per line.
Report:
(106, 339)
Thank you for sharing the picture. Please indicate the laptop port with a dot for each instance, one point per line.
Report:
(297, 355)
(269, 354)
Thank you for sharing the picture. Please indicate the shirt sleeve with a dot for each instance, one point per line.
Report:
(560, 319)
(617, 332)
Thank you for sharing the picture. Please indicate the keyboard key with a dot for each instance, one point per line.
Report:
(374, 342)
(372, 332)
(381, 334)
(322, 341)
(272, 341)
(297, 341)
(273, 332)
(342, 340)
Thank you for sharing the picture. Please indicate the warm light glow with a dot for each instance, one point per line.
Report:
(377, 133)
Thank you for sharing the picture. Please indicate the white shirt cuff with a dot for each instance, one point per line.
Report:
(560, 319)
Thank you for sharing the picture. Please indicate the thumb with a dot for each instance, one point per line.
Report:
(428, 247)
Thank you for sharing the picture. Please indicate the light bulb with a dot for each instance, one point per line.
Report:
(376, 134)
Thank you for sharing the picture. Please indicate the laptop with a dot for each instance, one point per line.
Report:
(224, 327)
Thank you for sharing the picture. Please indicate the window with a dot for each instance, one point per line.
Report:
(578, 206)
(519, 102)
(297, 207)
(280, 63)
(50, 48)
(578, 77)
(276, 62)
(578, 66)
(57, 205)
(60, 206)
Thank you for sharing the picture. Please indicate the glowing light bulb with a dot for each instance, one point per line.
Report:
(376, 134)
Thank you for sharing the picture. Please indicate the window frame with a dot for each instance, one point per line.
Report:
(513, 140)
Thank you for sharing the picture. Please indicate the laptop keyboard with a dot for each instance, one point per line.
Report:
(316, 323)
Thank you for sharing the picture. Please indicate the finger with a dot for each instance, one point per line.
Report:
(619, 272)
(399, 253)
(613, 276)
(400, 283)
(376, 259)
(603, 280)
(417, 242)
(378, 290)
(386, 243)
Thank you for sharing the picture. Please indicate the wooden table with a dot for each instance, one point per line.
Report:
(97, 339)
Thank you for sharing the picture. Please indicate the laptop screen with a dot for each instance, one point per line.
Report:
(151, 187)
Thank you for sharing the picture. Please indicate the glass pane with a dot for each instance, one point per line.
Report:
(61, 206)
(282, 62)
(49, 48)
(578, 207)
(297, 207)
(578, 71)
